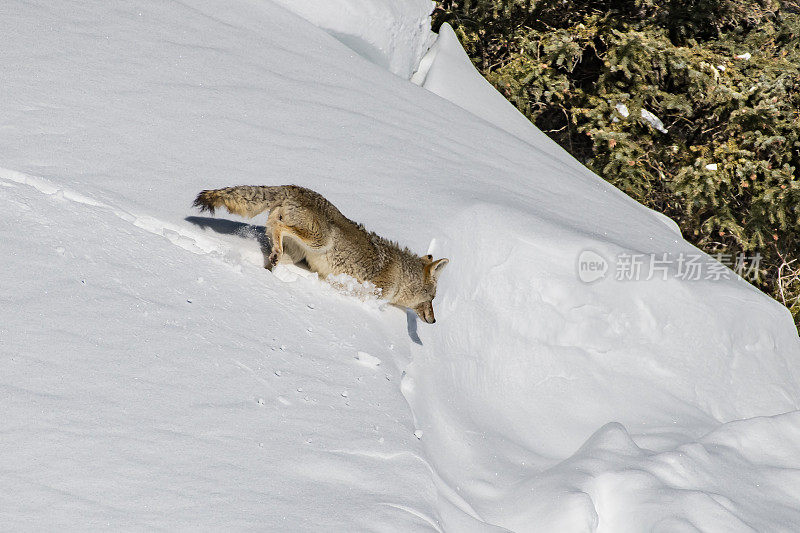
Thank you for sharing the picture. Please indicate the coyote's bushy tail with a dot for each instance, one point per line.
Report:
(244, 200)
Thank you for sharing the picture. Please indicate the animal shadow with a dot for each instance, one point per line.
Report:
(242, 230)
(411, 322)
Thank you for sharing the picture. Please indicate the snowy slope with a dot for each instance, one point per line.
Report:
(146, 387)
(154, 375)
(392, 35)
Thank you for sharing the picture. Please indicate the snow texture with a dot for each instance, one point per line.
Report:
(154, 375)
(392, 35)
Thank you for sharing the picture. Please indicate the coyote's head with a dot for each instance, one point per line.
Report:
(417, 287)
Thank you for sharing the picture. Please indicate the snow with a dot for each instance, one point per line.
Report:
(368, 360)
(392, 35)
(154, 375)
(648, 117)
(447, 61)
(653, 120)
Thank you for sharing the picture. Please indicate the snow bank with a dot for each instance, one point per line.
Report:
(661, 356)
(156, 376)
(392, 35)
(447, 61)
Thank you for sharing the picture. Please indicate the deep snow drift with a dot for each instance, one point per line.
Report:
(154, 375)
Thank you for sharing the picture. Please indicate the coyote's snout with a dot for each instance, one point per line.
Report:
(304, 225)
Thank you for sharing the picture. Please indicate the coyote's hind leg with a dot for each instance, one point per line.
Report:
(277, 247)
(301, 226)
(265, 244)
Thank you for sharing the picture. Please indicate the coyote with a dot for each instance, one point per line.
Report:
(304, 225)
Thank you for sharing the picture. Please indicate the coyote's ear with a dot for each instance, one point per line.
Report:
(435, 268)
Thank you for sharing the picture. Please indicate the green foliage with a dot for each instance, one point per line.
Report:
(727, 168)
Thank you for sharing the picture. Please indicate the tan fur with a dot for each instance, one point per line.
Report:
(304, 225)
